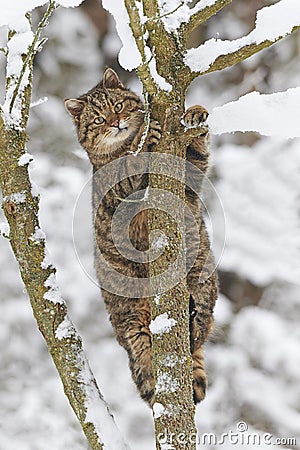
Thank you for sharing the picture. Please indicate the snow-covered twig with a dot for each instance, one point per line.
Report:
(138, 33)
(38, 102)
(200, 13)
(181, 17)
(147, 119)
(272, 24)
(31, 51)
(169, 13)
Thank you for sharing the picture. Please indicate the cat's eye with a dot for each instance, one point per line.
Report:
(99, 120)
(118, 107)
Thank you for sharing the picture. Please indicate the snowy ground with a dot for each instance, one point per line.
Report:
(253, 359)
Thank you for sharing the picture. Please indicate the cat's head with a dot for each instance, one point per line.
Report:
(107, 117)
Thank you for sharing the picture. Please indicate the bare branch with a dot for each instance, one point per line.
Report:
(200, 16)
(151, 9)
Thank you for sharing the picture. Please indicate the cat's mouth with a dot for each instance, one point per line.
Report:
(117, 134)
(119, 130)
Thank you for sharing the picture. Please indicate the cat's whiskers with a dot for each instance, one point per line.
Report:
(112, 139)
(115, 135)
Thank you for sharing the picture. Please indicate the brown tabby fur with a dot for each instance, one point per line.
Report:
(110, 122)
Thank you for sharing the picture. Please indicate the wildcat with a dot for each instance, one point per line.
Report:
(109, 120)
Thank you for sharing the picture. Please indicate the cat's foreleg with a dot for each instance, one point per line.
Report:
(198, 151)
(144, 138)
(195, 116)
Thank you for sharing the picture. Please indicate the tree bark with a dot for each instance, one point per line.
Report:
(173, 380)
(174, 408)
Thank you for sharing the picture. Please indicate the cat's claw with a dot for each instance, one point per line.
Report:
(154, 133)
(194, 116)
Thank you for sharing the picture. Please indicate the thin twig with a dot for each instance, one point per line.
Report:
(201, 16)
(32, 50)
(138, 33)
(146, 122)
(169, 13)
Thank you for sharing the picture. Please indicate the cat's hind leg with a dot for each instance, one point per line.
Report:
(199, 376)
(139, 348)
(196, 345)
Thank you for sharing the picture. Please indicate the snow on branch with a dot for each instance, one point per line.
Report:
(129, 55)
(135, 54)
(77, 377)
(13, 10)
(22, 42)
(22, 45)
(97, 413)
(200, 13)
(272, 23)
(267, 114)
(18, 72)
(181, 15)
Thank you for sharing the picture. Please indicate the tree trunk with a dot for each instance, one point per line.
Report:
(172, 363)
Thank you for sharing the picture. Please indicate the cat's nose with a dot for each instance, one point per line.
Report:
(115, 123)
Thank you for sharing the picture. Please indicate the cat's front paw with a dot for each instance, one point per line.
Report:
(154, 133)
(194, 116)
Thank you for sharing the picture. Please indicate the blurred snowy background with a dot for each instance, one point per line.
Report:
(253, 357)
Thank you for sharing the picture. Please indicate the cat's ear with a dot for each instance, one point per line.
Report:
(74, 106)
(111, 79)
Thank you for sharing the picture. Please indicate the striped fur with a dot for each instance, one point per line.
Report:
(110, 122)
